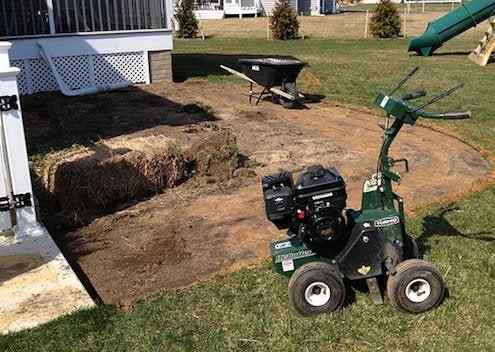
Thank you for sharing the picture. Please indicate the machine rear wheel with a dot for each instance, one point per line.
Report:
(416, 286)
(316, 288)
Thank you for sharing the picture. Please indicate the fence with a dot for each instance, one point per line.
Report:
(41, 17)
(438, 5)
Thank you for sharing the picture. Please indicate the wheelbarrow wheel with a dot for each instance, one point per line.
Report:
(316, 288)
(291, 89)
(415, 287)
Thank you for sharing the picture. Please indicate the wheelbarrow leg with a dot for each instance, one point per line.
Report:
(251, 92)
(265, 91)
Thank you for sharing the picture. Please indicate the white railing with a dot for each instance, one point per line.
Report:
(20, 17)
(42, 17)
(202, 5)
(14, 168)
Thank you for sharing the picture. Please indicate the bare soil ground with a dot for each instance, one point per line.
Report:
(205, 227)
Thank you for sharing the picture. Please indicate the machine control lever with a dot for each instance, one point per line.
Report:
(393, 162)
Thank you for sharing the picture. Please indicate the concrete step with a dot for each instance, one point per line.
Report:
(36, 283)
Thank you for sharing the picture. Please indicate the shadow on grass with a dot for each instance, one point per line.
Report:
(186, 66)
(438, 224)
(452, 53)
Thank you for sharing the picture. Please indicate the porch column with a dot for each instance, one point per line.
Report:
(15, 181)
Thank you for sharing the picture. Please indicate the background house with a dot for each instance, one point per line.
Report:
(216, 9)
(90, 42)
(316, 7)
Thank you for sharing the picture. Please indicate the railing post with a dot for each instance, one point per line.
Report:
(14, 164)
(169, 13)
(51, 17)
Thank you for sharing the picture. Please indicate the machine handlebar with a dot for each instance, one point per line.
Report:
(459, 115)
(414, 95)
(399, 108)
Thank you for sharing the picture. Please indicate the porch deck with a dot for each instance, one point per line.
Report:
(92, 42)
(52, 17)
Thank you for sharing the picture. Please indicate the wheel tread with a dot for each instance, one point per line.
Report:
(314, 266)
(394, 279)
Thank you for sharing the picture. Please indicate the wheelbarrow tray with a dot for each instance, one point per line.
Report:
(272, 72)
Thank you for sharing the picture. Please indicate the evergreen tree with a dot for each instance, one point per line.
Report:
(283, 23)
(186, 20)
(385, 22)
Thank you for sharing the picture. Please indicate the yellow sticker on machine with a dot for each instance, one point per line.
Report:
(364, 270)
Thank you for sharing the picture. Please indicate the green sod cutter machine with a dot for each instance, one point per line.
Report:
(330, 245)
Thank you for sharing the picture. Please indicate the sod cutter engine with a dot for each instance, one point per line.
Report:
(330, 245)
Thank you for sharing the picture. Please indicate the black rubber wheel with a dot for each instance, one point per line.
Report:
(416, 286)
(411, 249)
(290, 88)
(286, 103)
(316, 288)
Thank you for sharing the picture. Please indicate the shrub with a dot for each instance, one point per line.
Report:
(283, 23)
(186, 20)
(385, 21)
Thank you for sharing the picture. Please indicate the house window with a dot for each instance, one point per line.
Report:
(247, 3)
(23, 17)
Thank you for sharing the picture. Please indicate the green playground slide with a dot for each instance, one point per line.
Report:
(452, 24)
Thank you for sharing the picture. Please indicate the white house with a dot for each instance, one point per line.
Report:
(216, 9)
(80, 44)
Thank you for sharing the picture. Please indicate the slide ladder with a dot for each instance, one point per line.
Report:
(481, 55)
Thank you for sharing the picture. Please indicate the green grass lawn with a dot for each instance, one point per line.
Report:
(248, 310)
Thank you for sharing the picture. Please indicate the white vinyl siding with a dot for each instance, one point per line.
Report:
(268, 5)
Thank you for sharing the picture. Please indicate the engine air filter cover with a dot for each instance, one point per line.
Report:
(318, 182)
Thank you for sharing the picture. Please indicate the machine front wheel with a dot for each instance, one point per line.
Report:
(316, 288)
(415, 287)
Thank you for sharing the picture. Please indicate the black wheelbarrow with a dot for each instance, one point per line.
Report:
(277, 76)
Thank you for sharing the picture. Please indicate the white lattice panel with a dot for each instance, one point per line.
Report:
(113, 68)
(75, 71)
(81, 71)
(42, 78)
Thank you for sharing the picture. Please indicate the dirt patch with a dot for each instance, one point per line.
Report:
(215, 156)
(83, 183)
(201, 228)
